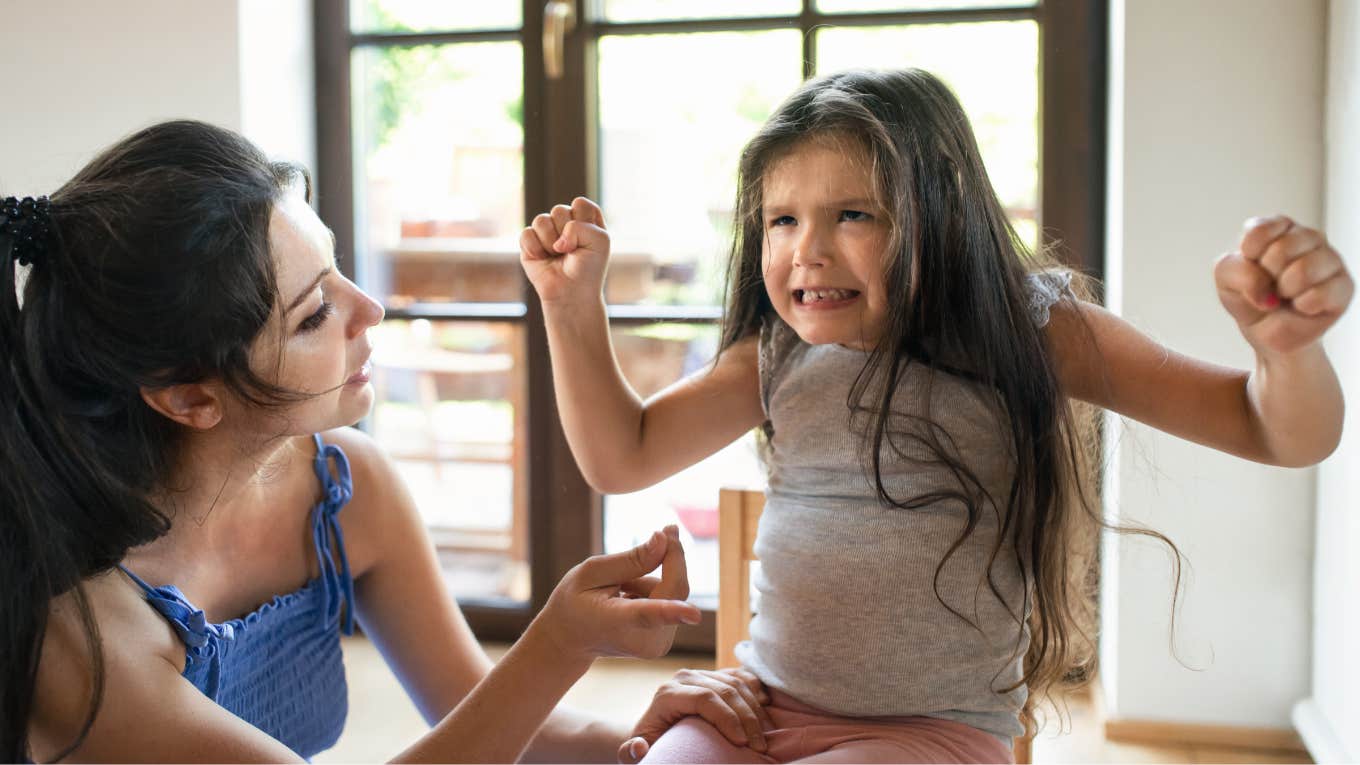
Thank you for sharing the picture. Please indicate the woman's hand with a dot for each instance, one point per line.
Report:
(607, 606)
(1285, 286)
(731, 700)
(565, 252)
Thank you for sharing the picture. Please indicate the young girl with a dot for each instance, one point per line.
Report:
(187, 527)
(924, 541)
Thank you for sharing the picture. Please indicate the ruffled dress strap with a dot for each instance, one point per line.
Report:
(335, 574)
(201, 638)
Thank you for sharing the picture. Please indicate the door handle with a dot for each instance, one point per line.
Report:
(559, 19)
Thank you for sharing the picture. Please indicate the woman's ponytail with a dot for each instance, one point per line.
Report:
(151, 267)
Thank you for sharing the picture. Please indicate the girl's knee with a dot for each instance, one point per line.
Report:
(692, 740)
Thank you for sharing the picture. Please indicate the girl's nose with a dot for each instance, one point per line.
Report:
(810, 251)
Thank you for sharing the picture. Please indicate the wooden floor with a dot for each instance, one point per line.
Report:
(382, 721)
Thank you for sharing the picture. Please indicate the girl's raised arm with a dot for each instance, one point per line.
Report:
(622, 443)
(1285, 287)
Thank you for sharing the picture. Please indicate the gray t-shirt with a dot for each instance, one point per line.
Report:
(848, 619)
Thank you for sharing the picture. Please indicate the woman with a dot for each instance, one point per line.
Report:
(186, 526)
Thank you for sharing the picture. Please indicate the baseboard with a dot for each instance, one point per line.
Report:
(1324, 745)
(1162, 732)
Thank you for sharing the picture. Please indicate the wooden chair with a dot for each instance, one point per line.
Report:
(738, 518)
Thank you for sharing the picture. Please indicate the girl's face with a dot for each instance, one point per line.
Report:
(316, 342)
(826, 236)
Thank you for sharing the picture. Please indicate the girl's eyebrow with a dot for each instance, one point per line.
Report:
(854, 202)
(297, 301)
(837, 204)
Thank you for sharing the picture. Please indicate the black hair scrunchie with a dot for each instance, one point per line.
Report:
(26, 223)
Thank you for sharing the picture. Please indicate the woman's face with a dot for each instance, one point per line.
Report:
(316, 341)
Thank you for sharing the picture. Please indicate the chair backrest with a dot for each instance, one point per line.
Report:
(738, 518)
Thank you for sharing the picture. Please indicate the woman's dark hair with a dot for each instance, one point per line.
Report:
(156, 271)
(955, 273)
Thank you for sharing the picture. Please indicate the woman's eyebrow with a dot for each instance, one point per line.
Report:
(298, 300)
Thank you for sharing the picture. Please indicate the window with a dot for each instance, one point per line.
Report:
(440, 134)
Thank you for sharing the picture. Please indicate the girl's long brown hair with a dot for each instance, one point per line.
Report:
(956, 275)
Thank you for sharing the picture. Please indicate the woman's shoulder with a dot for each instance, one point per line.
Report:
(147, 710)
(130, 635)
(364, 455)
(377, 492)
(119, 609)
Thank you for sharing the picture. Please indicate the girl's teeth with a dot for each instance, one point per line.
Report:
(815, 296)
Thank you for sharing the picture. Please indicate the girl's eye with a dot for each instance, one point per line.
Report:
(783, 220)
(854, 215)
(317, 319)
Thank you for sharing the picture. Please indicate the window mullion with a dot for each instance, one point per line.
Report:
(807, 23)
(1072, 63)
(563, 511)
(334, 183)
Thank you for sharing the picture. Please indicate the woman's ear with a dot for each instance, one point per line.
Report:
(194, 405)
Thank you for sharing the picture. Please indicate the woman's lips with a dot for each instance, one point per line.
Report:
(362, 375)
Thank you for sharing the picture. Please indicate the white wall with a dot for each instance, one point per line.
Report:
(79, 75)
(1216, 116)
(1329, 720)
(278, 84)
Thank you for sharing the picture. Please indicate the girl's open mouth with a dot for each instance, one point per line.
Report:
(824, 298)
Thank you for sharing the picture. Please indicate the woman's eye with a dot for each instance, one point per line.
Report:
(854, 215)
(317, 319)
(783, 220)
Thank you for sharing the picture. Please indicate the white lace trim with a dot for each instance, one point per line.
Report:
(1045, 289)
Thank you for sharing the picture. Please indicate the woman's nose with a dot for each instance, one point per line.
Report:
(367, 312)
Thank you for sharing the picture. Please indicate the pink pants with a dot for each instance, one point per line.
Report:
(805, 734)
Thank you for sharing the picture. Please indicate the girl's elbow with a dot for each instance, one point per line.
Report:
(1309, 455)
(1293, 462)
(1328, 441)
(1324, 451)
(609, 481)
(603, 485)
(599, 482)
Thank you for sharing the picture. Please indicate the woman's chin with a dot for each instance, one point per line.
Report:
(354, 404)
(359, 402)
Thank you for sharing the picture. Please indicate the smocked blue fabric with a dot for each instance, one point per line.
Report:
(280, 668)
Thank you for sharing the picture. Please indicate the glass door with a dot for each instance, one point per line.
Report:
(444, 126)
